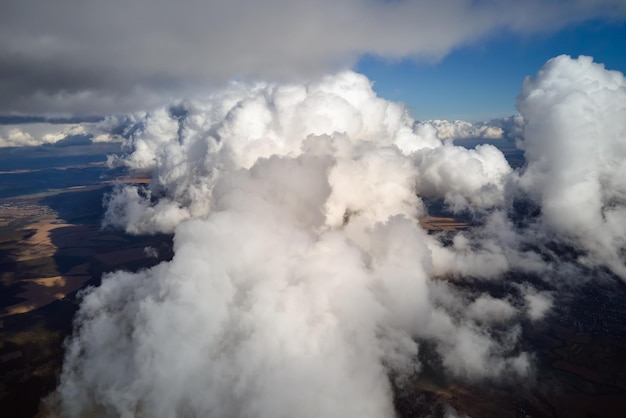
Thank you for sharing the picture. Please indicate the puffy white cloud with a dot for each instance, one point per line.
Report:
(537, 303)
(37, 133)
(467, 179)
(460, 129)
(512, 127)
(340, 116)
(301, 277)
(488, 309)
(270, 307)
(46, 133)
(574, 142)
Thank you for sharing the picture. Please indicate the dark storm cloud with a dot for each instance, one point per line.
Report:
(72, 56)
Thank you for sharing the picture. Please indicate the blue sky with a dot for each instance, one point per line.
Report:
(481, 81)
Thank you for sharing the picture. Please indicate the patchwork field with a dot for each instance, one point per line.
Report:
(52, 245)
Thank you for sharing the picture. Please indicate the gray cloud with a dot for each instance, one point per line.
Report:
(75, 57)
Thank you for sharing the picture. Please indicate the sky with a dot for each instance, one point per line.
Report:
(451, 59)
(480, 81)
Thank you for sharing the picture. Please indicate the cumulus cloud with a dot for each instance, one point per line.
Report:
(460, 129)
(537, 303)
(575, 113)
(339, 115)
(301, 278)
(466, 179)
(71, 133)
(512, 127)
(113, 57)
(37, 134)
(271, 309)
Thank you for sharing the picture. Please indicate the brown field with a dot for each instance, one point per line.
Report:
(433, 223)
(51, 246)
(39, 244)
(33, 237)
(134, 180)
(12, 213)
(44, 290)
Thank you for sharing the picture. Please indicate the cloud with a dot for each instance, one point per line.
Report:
(512, 127)
(537, 303)
(235, 127)
(72, 57)
(340, 115)
(575, 117)
(301, 278)
(302, 282)
(267, 308)
(60, 134)
(466, 179)
(487, 308)
(459, 129)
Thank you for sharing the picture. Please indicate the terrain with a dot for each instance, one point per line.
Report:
(52, 245)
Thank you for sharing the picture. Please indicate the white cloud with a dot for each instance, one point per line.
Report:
(45, 133)
(537, 303)
(301, 277)
(575, 113)
(460, 129)
(467, 179)
(269, 308)
(488, 309)
(340, 116)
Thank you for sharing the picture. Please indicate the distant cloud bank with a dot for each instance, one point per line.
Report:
(119, 128)
(506, 128)
(110, 129)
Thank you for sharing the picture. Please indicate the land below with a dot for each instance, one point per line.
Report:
(52, 246)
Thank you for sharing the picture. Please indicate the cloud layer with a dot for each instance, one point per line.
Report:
(302, 282)
(77, 57)
(109, 129)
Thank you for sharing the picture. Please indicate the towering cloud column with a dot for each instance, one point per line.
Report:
(301, 278)
(575, 146)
